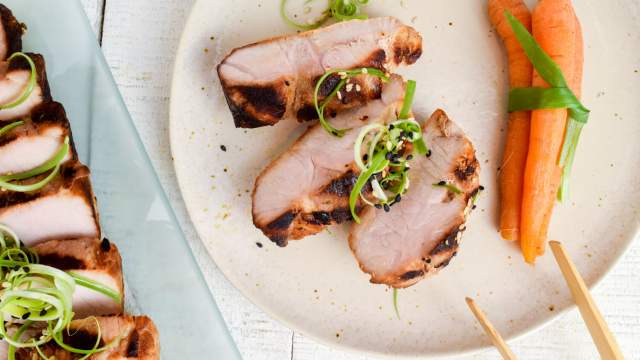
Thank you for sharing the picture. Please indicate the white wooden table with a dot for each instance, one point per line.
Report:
(139, 39)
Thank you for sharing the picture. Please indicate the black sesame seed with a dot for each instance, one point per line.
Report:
(259, 244)
(391, 127)
(223, 148)
(481, 188)
(455, 253)
(387, 208)
(428, 153)
(409, 157)
(388, 156)
(398, 198)
(365, 157)
(26, 315)
(378, 206)
(442, 183)
(473, 207)
(26, 269)
(43, 312)
(105, 245)
(16, 268)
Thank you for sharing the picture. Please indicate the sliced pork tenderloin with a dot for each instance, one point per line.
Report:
(14, 79)
(274, 79)
(38, 140)
(64, 208)
(10, 33)
(135, 337)
(308, 187)
(96, 259)
(421, 234)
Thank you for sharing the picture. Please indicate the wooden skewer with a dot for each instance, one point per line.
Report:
(604, 340)
(496, 339)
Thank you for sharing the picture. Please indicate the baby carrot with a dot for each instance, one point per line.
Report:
(556, 30)
(517, 142)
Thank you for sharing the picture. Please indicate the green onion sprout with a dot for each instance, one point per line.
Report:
(450, 187)
(40, 295)
(345, 75)
(341, 10)
(382, 154)
(53, 165)
(30, 85)
(558, 96)
(395, 302)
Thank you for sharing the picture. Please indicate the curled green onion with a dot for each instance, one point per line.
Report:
(53, 163)
(39, 294)
(559, 96)
(90, 284)
(5, 129)
(377, 165)
(380, 150)
(30, 85)
(344, 76)
(341, 10)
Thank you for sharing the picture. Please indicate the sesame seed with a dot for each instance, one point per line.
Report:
(378, 206)
(339, 94)
(442, 183)
(358, 87)
(387, 208)
(409, 157)
(342, 74)
(365, 71)
(481, 188)
(223, 148)
(349, 87)
(429, 153)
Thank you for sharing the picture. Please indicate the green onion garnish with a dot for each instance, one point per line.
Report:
(30, 85)
(558, 96)
(395, 302)
(345, 75)
(341, 10)
(380, 154)
(39, 294)
(5, 129)
(450, 187)
(6, 181)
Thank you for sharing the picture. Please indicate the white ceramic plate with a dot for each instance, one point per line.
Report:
(314, 285)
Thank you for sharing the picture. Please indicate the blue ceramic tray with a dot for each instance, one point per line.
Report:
(163, 279)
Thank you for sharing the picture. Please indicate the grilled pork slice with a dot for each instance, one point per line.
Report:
(38, 140)
(63, 209)
(14, 79)
(10, 33)
(422, 233)
(136, 337)
(92, 258)
(275, 78)
(308, 187)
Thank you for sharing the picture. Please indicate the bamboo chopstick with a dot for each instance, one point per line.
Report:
(605, 342)
(496, 339)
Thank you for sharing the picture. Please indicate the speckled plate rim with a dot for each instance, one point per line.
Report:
(561, 313)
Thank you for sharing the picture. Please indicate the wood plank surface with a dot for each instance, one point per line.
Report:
(139, 39)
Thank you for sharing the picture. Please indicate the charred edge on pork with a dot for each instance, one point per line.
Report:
(13, 30)
(295, 224)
